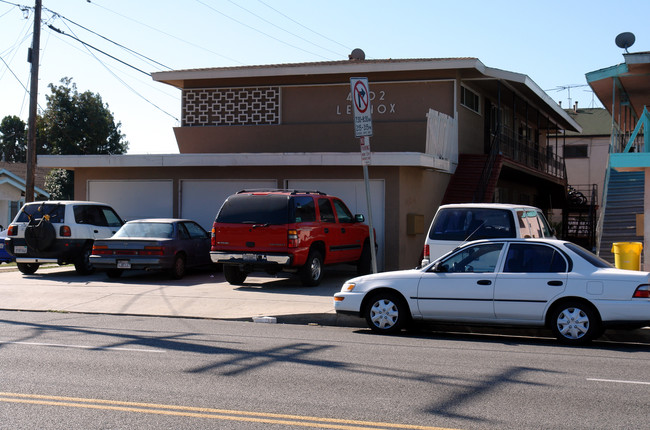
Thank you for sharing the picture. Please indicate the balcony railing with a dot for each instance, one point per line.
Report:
(538, 157)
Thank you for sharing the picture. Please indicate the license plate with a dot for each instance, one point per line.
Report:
(123, 264)
(253, 257)
(20, 249)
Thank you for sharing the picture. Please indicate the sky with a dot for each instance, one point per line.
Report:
(554, 42)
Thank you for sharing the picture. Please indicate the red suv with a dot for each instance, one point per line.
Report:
(287, 230)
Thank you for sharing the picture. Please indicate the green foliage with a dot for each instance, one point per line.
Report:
(13, 139)
(60, 184)
(79, 123)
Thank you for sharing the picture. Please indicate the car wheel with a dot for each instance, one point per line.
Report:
(178, 269)
(82, 264)
(234, 275)
(387, 313)
(27, 268)
(40, 236)
(312, 272)
(364, 265)
(114, 273)
(575, 323)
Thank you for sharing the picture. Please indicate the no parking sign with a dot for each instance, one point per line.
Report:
(361, 107)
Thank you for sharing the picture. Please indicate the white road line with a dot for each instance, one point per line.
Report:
(619, 382)
(102, 348)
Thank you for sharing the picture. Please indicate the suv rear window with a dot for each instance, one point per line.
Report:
(36, 211)
(460, 224)
(255, 209)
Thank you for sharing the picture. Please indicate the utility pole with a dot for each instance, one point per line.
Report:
(33, 58)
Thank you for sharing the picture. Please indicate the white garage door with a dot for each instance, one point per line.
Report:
(353, 193)
(202, 199)
(135, 199)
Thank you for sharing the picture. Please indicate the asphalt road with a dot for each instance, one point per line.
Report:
(83, 371)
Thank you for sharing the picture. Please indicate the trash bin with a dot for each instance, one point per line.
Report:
(627, 255)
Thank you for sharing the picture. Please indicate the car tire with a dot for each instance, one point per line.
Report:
(114, 273)
(40, 236)
(178, 269)
(312, 272)
(234, 275)
(387, 313)
(364, 264)
(575, 323)
(27, 268)
(82, 264)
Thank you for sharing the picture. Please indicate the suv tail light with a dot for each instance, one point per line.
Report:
(292, 237)
(642, 292)
(64, 231)
(427, 252)
(13, 230)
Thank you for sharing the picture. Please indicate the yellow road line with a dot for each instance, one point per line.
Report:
(210, 413)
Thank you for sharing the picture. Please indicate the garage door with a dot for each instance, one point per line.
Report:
(202, 199)
(135, 199)
(353, 193)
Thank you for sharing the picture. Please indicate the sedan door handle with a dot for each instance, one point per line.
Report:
(484, 282)
(555, 283)
(96, 231)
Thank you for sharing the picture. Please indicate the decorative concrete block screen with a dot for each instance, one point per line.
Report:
(231, 106)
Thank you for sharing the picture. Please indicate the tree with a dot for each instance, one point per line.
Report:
(60, 184)
(13, 139)
(79, 123)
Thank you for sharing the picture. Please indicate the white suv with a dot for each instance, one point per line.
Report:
(456, 224)
(59, 232)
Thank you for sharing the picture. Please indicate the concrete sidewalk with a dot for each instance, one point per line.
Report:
(201, 294)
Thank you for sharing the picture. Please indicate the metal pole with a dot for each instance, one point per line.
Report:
(370, 225)
(33, 103)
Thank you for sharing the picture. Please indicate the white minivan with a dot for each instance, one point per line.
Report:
(456, 224)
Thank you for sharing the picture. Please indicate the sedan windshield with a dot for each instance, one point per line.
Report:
(146, 229)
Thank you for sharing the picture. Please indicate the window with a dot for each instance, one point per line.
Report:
(254, 209)
(342, 212)
(469, 99)
(195, 231)
(576, 151)
(476, 259)
(472, 224)
(304, 209)
(533, 224)
(528, 258)
(326, 211)
(36, 211)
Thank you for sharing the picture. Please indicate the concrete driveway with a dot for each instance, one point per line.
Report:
(200, 294)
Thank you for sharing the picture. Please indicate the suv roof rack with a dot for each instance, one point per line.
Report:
(278, 190)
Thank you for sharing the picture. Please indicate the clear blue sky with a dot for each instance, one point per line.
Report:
(553, 42)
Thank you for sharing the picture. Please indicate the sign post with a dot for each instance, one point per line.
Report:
(363, 130)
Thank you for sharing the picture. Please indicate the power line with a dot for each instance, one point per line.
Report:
(303, 26)
(260, 31)
(107, 39)
(167, 34)
(283, 29)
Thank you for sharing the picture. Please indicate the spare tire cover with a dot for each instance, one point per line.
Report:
(40, 236)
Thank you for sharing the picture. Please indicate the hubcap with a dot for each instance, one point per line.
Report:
(315, 268)
(573, 323)
(383, 314)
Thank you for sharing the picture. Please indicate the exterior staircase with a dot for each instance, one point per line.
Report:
(465, 181)
(625, 191)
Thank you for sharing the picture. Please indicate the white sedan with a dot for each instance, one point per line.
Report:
(523, 282)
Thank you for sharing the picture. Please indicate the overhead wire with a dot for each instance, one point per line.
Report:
(117, 77)
(259, 31)
(167, 34)
(283, 29)
(304, 26)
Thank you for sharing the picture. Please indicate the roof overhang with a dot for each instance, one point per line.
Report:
(626, 83)
(393, 159)
(401, 69)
